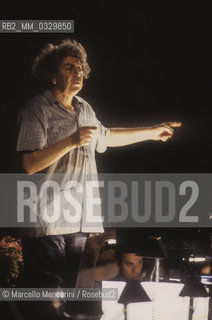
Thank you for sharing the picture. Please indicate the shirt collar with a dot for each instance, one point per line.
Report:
(51, 99)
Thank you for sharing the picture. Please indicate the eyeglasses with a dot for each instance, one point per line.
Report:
(71, 68)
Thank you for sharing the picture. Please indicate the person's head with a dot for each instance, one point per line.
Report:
(131, 266)
(62, 66)
(206, 268)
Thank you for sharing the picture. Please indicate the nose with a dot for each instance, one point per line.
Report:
(135, 270)
(77, 72)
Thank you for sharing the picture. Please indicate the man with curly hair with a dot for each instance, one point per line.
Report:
(59, 133)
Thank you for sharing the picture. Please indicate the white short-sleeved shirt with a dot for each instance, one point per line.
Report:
(42, 123)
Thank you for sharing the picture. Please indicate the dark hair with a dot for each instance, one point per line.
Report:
(119, 252)
(45, 65)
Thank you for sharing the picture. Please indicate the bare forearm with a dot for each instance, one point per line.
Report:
(125, 136)
(41, 159)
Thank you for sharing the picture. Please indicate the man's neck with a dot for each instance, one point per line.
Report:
(65, 99)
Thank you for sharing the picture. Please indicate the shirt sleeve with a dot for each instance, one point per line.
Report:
(32, 130)
(102, 137)
(101, 133)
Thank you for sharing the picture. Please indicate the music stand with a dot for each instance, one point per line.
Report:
(133, 292)
(193, 288)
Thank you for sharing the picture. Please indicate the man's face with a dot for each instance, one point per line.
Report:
(69, 79)
(131, 266)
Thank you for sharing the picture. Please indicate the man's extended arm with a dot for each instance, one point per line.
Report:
(38, 160)
(125, 136)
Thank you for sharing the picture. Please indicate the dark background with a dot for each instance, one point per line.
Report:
(149, 65)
